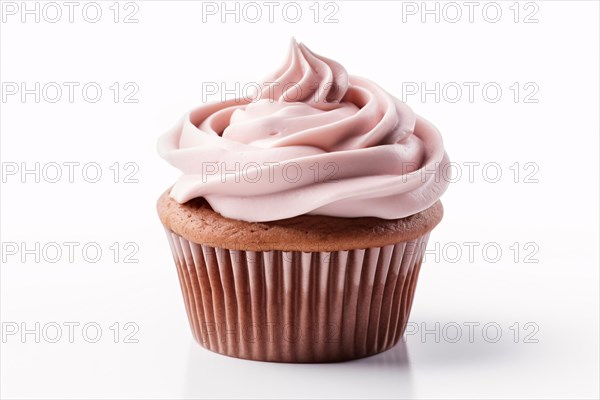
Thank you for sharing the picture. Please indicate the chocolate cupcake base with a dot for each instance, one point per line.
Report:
(296, 306)
(311, 288)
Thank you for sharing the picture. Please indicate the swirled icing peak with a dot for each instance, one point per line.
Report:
(308, 78)
(313, 140)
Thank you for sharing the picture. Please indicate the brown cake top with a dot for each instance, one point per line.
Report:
(197, 222)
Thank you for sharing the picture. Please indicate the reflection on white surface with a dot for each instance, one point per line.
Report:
(385, 375)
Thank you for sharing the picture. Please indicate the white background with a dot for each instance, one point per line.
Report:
(169, 54)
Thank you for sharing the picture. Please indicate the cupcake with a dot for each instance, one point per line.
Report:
(301, 217)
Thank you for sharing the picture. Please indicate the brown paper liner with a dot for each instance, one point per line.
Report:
(293, 306)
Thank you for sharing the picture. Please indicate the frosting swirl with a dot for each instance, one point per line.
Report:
(313, 140)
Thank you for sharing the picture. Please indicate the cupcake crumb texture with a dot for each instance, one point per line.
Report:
(198, 222)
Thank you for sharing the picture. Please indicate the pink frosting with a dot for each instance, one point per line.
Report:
(313, 140)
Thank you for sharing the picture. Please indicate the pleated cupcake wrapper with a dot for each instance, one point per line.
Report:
(293, 306)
